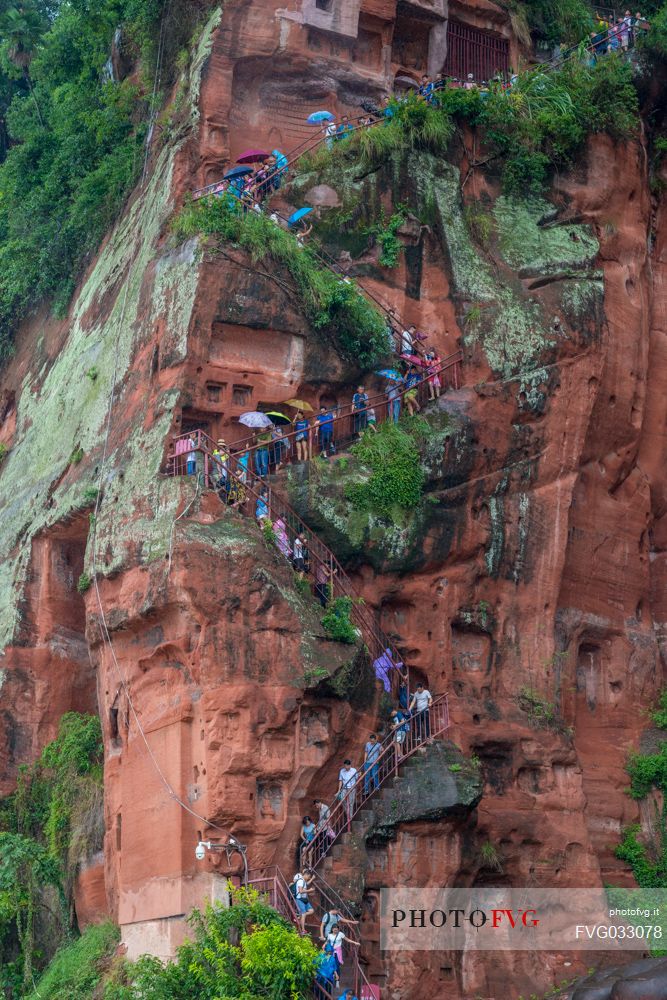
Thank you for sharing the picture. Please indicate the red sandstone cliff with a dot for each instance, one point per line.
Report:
(552, 579)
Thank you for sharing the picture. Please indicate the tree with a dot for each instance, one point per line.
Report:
(25, 869)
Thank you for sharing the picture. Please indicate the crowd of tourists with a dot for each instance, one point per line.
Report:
(407, 721)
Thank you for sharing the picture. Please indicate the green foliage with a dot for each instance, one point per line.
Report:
(83, 583)
(397, 479)
(71, 140)
(650, 872)
(76, 456)
(53, 820)
(336, 621)
(413, 125)
(479, 222)
(556, 21)
(4, 451)
(647, 771)
(90, 495)
(331, 304)
(269, 533)
(659, 716)
(385, 232)
(270, 959)
(655, 39)
(540, 713)
(92, 374)
(455, 768)
(76, 969)
(544, 120)
(491, 857)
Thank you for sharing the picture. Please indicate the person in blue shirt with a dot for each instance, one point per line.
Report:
(359, 404)
(302, 427)
(426, 89)
(345, 128)
(325, 421)
(372, 752)
(400, 725)
(412, 380)
(387, 110)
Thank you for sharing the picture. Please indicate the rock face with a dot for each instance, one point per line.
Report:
(530, 583)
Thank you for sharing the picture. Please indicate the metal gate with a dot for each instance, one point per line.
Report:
(470, 50)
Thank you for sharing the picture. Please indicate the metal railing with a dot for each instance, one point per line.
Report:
(247, 492)
(401, 743)
(348, 422)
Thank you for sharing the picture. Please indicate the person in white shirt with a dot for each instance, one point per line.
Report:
(347, 777)
(335, 938)
(331, 132)
(420, 705)
(300, 892)
(407, 340)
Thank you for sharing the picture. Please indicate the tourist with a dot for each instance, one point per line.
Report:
(299, 562)
(345, 128)
(302, 427)
(420, 704)
(302, 236)
(330, 133)
(470, 82)
(277, 449)
(372, 752)
(402, 687)
(300, 887)
(282, 541)
(426, 89)
(307, 832)
(347, 792)
(371, 419)
(359, 404)
(262, 507)
(335, 938)
(393, 394)
(408, 341)
(325, 422)
(327, 968)
(434, 381)
(383, 667)
(323, 584)
(387, 110)
(412, 380)
(330, 918)
(191, 461)
(263, 439)
(219, 471)
(324, 814)
(400, 726)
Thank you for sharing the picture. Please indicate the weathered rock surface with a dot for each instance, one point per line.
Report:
(538, 589)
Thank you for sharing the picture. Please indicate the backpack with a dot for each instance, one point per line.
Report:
(292, 889)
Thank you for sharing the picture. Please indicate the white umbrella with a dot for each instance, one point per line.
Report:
(255, 419)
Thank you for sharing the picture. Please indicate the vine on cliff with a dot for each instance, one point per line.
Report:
(51, 823)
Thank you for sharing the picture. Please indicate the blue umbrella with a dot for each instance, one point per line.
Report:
(297, 216)
(237, 172)
(255, 419)
(281, 159)
(318, 117)
(390, 374)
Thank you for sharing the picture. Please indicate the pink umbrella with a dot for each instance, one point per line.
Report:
(414, 359)
(253, 156)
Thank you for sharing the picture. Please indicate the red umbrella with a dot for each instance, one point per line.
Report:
(253, 156)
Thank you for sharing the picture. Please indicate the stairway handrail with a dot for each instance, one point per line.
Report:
(341, 584)
(270, 881)
(343, 809)
(345, 411)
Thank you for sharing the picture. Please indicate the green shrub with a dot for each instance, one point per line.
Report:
(397, 479)
(271, 959)
(52, 822)
(76, 969)
(90, 495)
(332, 305)
(659, 716)
(83, 583)
(336, 621)
(76, 456)
(385, 232)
